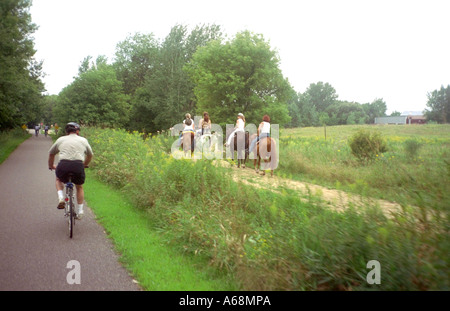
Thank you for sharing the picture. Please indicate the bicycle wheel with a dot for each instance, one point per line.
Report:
(71, 213)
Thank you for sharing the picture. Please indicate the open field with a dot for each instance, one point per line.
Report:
(287, 239)
(415, 170)
(342, 132)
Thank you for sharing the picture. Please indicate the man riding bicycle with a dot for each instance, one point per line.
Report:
(75, 153)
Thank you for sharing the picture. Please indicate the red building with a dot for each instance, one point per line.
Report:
(414, 117)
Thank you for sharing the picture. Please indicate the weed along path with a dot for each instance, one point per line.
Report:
(336, 199)
(36, 253)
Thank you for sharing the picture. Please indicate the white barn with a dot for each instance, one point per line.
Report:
(391, 120)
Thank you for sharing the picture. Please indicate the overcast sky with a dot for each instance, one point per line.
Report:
(395, 50)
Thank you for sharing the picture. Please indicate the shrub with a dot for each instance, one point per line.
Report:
(412, 146)
(366, 145)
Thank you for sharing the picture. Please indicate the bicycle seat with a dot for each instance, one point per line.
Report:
(70, 177)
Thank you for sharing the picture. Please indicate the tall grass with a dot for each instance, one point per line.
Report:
(413, 171)
(142, 251)
(269, 241)
(9, 140)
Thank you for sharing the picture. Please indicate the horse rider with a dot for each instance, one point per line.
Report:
(263, 131)
(240, 125)
(205, 124)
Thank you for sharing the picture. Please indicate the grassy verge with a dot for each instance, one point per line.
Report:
(143, 251)
(9, 141)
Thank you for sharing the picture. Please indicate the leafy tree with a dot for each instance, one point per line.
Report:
(439, 103)
(48, 106)
(20, 84)
(322, 95)
(343, 112)
(319, 105)
(312, 105)
(240, 75)
(200, 36)
(308, 112)
(167, 92)
(375, 109)
(135, 59)
(95, 97)
(85, 65)
(294, 110)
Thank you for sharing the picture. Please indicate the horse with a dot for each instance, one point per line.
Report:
(187, 142)
(265, 149)
(240, 144)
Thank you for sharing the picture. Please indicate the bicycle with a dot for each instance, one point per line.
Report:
(69, 200)
(70, 203)
(70, 206)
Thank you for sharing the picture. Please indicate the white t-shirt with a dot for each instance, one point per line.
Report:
(265, 128)
(188, 127)
(71, 147)
(240, 125)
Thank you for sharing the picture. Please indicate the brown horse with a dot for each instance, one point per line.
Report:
(240, 144)
(266, 149)
(187, 142)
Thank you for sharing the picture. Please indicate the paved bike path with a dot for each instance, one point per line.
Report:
(35, 248)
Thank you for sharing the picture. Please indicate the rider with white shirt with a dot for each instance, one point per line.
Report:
(263, 131)
(75, 154)
(240, 126)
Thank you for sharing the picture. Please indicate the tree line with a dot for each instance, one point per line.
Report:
(21, 86)
(151, 83)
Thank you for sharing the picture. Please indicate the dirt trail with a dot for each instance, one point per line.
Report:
(336, 199)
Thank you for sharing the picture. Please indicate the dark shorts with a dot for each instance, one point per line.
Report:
(65, 167)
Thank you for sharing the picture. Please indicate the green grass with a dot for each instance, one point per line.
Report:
(343, 132)
(147, 255)
(10, 140)
(185, 225)
(414, 170)
(272, 241)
